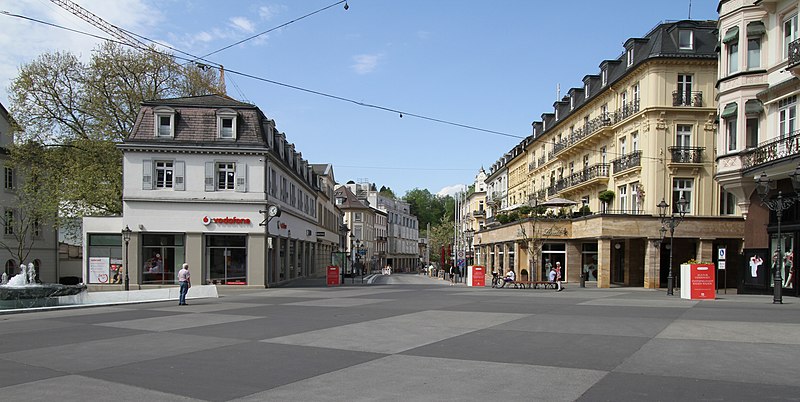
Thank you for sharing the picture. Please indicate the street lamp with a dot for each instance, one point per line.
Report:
(671, 222)
(778, 204)
(126, 235)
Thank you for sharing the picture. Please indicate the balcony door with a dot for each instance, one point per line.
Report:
(684, 89)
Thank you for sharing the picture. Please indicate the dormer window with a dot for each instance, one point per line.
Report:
(571, 102)
(685, 39)
(604, 77)
(586, 90)
(164, 122)
(629, 54)
(226, 124)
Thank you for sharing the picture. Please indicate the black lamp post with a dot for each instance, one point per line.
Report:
(671, 222)
(126, 236)
(778, 204)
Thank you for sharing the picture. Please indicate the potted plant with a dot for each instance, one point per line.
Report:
(606, 197)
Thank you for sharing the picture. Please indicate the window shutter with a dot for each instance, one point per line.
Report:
(180, 168)
(209, 176)
(147, 174)
(241, 177)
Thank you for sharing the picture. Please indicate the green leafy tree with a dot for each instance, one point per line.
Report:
(387, 192)
(74, 114)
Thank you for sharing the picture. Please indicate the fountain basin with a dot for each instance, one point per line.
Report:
(36, 295)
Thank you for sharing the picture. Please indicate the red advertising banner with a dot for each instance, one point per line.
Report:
(478, 275)
(333, 275)
(702, 281)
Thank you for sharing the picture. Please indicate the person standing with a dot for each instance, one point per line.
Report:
(452, 276)
(184, 280)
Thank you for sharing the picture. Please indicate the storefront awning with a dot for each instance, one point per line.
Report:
(753, 107)
(731, 36)
(730, 111)
(755, 30)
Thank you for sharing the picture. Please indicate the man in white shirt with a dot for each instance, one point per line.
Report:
(510, 276)
(184, 280)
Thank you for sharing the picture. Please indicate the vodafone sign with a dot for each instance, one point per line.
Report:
(226, 221)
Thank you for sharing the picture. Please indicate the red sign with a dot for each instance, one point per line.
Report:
(333, 275)
(226, 221)
(478, 275)
(702, 281)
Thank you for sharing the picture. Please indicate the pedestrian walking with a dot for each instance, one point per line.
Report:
(452, 276)
(184, 280)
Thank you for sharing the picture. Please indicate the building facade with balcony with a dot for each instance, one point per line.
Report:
(759, 66)
(497, 188)
(640, 131)
(402, 238)
(198, 176)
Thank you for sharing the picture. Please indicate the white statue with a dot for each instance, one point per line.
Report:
(4, 279)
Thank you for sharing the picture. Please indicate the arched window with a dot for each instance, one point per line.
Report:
(11, 268)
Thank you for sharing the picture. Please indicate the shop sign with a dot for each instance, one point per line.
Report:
(226, 221)
(98, 269)
(702, 281)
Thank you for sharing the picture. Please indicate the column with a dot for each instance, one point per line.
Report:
(256, 259)
(652, 264)
(603, 263)
(194, 257)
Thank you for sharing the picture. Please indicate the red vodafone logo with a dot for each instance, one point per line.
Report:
(226, 221)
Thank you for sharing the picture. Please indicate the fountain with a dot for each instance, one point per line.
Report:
(22, 291)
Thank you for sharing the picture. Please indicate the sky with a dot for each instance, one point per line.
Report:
(448, 65)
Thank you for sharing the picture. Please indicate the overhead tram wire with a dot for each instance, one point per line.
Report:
(311, 91)
(295, 87)
(273, 29)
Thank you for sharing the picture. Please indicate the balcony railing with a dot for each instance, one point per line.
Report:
(628, 161)
(686, 154)
(685, 98)
(593, 125)
(794, 53)
(590, 173)
(773, 150)
(627, 110)
(541, 161)
(479, 213)
(531, 166)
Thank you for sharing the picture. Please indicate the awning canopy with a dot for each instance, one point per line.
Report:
(755, 29)
(730, 110)
(558, 202)
(731, 36)
(753, 107)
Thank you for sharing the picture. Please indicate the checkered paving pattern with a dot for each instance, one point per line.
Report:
(411, 338)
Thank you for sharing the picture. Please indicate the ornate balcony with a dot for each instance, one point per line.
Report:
(685, 98)
(773, 150)
(631, 160)
(794, 57)
(531, 166)
(575, 179)
(627, 110)
(686, 154)
(479, 213)
(541, 161)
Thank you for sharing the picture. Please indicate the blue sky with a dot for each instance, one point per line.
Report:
(488, 64)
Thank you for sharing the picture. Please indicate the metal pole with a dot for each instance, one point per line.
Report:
(671, 248)
(776, 278)
(127, 266)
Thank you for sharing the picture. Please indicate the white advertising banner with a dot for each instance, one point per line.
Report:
(98, 269)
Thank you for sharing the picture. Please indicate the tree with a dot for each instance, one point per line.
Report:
(428, 208)
(73, 115)
(387, 192)
(534, 232)
(441, 236)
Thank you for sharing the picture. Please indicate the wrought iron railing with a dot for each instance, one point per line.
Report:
(592, 126)
(479, 213)
(686, 98)
(592, 172)
(627, 110)
(628, 161)
(773, 150)
(540, 161)
(794, 53)
(531, 166)
(686, 154)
